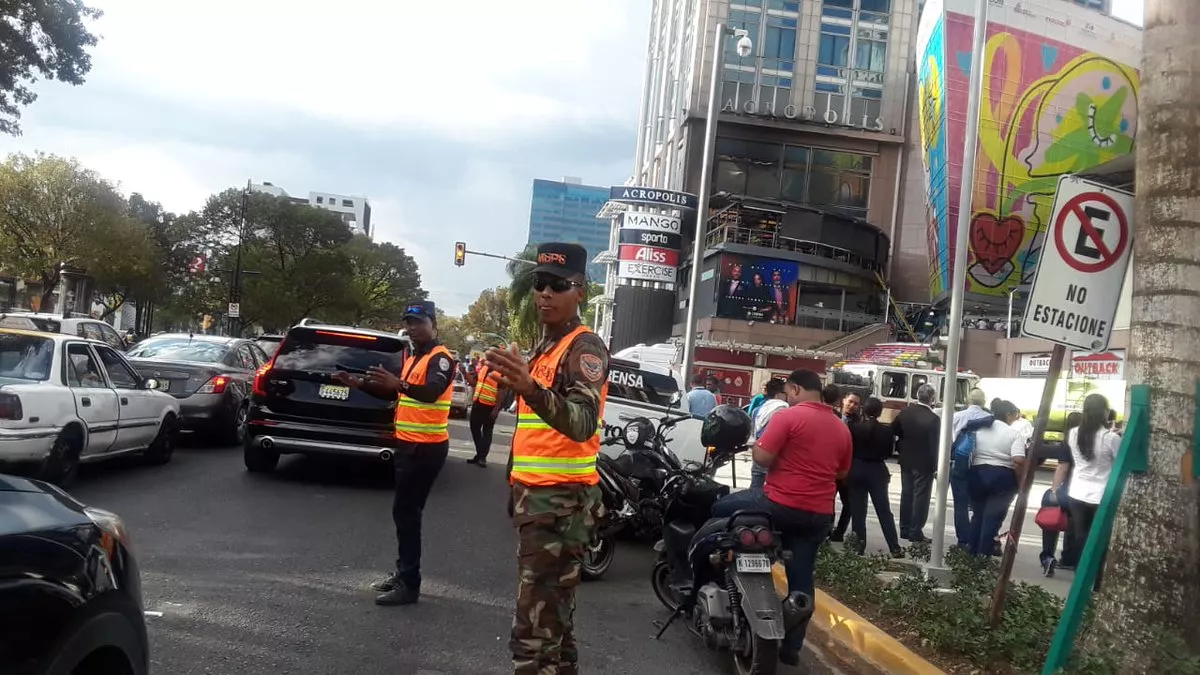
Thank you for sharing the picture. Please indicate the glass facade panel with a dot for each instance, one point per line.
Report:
(828, 179)
(795, 174)
(850, 56)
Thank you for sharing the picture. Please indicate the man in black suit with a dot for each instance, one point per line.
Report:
(917, 428)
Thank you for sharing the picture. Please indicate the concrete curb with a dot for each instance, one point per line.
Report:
(860, 644)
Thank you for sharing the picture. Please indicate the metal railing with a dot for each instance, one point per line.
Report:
(752, 236)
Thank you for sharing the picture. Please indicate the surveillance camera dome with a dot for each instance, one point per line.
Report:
(744, 45)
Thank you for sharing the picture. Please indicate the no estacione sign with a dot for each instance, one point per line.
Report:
(1082, 266)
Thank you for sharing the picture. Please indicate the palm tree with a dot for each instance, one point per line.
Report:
(523, 325)
(1155, 581)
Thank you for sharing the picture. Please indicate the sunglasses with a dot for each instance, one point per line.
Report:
(556, 284)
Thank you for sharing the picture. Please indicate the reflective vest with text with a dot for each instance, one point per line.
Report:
(419, 422)
(541, 455)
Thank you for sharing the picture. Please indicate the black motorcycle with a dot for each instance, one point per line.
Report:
(720, 573)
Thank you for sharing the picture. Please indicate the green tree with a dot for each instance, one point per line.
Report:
(124, 262)
(488, 314)
(41, 39)
(589, 310)
(523, 327)
(451, 333)
(384, 279)
(49, 208)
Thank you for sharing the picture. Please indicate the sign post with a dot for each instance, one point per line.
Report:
(235, 310)
(1072, 303)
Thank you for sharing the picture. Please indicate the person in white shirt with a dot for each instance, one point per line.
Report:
(776, 401)
(1093, 452)
(998, 460)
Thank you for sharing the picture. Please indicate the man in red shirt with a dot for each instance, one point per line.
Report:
(806, 451)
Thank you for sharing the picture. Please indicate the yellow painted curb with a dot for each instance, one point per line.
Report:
(861, 639)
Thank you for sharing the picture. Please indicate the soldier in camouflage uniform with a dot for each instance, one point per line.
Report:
(555, 500)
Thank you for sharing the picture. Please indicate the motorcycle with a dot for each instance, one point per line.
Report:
(724, 575)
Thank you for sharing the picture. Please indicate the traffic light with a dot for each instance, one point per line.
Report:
(206, 322)
(460, 253)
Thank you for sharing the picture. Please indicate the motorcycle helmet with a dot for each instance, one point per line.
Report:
(727, 426)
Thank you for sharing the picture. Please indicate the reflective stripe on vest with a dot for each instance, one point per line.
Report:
(418, 422)
(541, 455)
(485, 386)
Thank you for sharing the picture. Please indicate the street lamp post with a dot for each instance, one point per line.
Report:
(744, 45)
(235, 288)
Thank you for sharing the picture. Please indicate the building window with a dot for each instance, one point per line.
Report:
(348, 203)
(764, 77)
(852, 61)
(795, 174)
(840, 181)
(320, 200)
(835, 46)
(828, 179)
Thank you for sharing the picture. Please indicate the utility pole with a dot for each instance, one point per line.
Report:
(235, 287)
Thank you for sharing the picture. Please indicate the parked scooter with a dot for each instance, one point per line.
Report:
(723, 574)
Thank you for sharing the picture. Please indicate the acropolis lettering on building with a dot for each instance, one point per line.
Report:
(805, 114)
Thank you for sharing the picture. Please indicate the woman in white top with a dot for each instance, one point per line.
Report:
(1093, 449)
(998, 460)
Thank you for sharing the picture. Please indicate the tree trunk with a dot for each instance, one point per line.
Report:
(1152, 579)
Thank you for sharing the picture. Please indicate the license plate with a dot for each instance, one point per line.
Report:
(336, 392)
(757, 563)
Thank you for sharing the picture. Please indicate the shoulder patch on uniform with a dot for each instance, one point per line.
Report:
(444, 364)
(592, 367)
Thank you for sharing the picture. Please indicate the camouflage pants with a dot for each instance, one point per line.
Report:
(554, 526)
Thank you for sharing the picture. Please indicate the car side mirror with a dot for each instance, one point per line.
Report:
(150, 383)
(676, 397)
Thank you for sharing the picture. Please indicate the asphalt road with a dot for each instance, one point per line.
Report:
(268, 574)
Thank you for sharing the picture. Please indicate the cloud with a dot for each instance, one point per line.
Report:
(441, 113)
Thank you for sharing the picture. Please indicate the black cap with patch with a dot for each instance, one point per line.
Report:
(424, 309)
(561, 259)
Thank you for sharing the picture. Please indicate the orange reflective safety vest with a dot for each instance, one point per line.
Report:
(419, 422)
(541, 455)
(485, 386)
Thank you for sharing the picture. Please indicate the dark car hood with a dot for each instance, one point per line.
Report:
(9, 483)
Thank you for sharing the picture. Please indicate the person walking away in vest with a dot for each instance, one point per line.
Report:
(966, 421)
(916, 429)
(806, 451)
(832, 396)
(776, 400)
(555, 499)
(1093, 451)
(869, 476)
(996, 464)
(488, 401)
(701, 400)
(423, 395)
(1057, 495)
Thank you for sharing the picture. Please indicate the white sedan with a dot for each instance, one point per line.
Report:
(66, 400)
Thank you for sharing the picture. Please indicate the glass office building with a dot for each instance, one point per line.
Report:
(566, 211)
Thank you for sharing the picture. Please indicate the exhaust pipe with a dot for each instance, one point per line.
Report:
(266, 443)
(797, 610)
(385, 455)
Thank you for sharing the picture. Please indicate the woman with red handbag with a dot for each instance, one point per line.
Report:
(1055, 506)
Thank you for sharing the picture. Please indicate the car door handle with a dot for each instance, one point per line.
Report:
(85, 402)
(124, 401)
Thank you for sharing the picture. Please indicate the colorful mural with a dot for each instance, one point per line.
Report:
(1049, 107)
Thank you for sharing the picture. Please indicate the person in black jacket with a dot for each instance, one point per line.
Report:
(916, 429)
(869, 476)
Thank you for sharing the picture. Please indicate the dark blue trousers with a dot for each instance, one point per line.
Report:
(992, 489)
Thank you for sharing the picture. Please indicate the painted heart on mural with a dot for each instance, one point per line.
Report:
(995, 241)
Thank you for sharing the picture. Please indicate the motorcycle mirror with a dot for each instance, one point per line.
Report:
(676, 397)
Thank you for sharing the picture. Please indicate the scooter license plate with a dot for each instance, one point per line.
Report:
(753, 562)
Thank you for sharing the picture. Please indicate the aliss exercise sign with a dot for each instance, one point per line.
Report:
(1082, 266)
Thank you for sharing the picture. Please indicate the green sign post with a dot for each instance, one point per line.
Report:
(1133, 457)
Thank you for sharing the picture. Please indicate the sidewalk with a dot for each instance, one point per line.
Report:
(1027, 567)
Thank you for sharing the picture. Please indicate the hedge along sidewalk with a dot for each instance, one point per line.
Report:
(859, 643)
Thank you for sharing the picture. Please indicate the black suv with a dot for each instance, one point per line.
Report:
(70, 590)
(296, 406)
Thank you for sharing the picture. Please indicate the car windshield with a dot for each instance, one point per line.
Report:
(25, 357)
(269, 344)
(179, 349)
(308, 349)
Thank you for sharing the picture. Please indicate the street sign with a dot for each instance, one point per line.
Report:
(1082, 266)
(235, 310)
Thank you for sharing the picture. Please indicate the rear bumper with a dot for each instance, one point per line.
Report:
(306, 438)
(27, 445)
(202, 410)
(299, 446)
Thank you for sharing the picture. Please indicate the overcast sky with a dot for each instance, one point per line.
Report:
(442, 113)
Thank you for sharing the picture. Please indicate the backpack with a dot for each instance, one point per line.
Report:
(964, 446)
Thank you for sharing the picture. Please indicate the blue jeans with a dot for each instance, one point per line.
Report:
(992, 489)
(962, 509)
(758, 476)
(803, 532)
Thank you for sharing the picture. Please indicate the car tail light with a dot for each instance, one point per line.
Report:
(764, 536)
(214, 386)
(746, 537)
(10, 407)
(259, 389)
